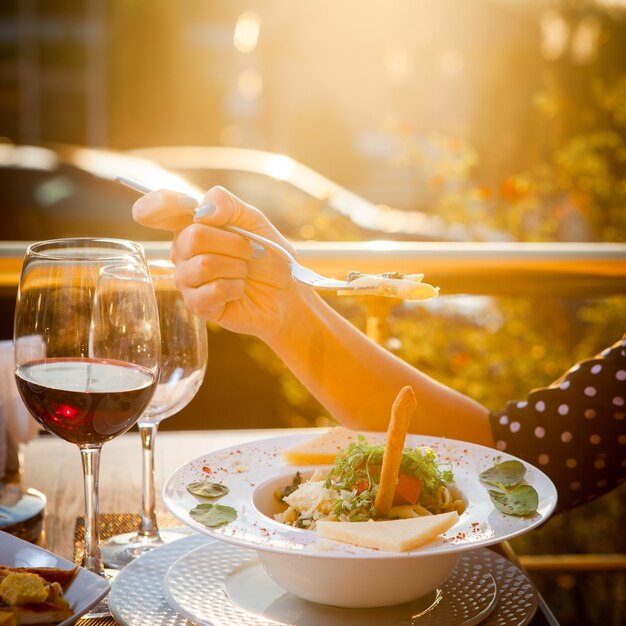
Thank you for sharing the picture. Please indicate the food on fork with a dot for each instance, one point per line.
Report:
(390, 284)
(399, 535)
(34, 595)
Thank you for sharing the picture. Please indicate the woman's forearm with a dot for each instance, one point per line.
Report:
(357, 380)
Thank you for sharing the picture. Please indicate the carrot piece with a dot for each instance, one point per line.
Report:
(408, 490)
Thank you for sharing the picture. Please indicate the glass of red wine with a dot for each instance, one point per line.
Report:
(87, 349)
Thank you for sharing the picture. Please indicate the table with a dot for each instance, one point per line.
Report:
(53, 467)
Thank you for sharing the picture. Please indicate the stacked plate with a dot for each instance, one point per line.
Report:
(197, 580)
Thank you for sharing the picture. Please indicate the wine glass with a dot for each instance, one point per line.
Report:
(87, 351)
(183, 363)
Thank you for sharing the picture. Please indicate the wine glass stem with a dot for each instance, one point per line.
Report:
(148, 528)
(92, 559)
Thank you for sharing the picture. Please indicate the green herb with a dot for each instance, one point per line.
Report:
(422, 463)
(289, 489)
(207, 489)
(507, 473)
(513, 497)
(212, 515)
(521, 500)
(356, 475)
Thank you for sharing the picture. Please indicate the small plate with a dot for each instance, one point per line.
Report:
(84, 592)
(223, 585)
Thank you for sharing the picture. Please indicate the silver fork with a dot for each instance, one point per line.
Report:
(298, 271)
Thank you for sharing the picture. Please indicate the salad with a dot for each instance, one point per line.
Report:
(348, 491)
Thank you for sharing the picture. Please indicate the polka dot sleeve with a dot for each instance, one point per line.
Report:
(575, 429)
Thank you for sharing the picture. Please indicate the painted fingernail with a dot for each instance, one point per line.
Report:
(206, 210)
(187, 202)
(258, 251)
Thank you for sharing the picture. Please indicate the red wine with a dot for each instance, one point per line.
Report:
(85, 401)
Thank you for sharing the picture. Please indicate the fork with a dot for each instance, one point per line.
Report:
(298, 271)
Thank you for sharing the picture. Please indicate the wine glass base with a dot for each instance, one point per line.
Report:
(120, 550)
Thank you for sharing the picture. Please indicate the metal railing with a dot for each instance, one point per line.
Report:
(530, 269)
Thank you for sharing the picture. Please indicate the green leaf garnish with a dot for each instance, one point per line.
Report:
(521, 501)
(507, 473)
(512, 497)
(212, 515)
(207, 489)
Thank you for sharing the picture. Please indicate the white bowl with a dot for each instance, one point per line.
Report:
(337, 573)
(85, 590)
(322, 577)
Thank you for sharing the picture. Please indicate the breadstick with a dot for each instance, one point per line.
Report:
(401, 413)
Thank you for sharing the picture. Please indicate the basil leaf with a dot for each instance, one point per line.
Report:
(212, 515)
(207, 489)
(507, 473)
(521, 501)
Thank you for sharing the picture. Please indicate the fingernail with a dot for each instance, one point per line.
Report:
(187, 202)
(258, 251)
(206, 210)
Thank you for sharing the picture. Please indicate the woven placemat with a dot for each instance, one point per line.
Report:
(111, 524)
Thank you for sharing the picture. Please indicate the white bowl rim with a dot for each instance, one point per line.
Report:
(246, 467)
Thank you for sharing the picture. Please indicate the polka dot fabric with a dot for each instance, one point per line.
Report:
(575, 429)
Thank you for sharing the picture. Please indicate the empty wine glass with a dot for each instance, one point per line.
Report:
(87, 351)
(183, 363)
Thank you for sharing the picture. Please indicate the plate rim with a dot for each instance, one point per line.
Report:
(272, 536)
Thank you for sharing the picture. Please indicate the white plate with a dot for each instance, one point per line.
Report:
(137, 597)
(84, 592)
(243, 468)
(222, 585)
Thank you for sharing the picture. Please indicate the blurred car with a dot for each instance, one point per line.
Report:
(58, 190)
(302, 203)
(70, 191)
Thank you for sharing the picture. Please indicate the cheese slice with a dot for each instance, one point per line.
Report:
(398, 535)
(321, 450)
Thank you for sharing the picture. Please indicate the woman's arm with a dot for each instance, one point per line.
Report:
(357, 380)
(227, 281)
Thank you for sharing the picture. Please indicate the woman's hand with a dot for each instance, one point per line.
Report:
(223, 277)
